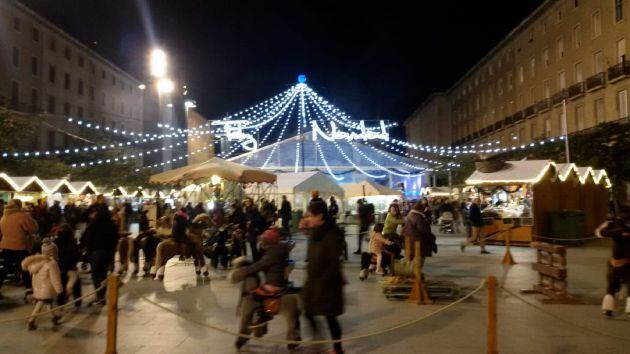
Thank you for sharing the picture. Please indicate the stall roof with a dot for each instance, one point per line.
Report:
(289, 183)
(7, 184)
(230, 171)
(352, 190)
(523, 171)
(30, 184)
(601, 175)
(59, 186)
(81, 187)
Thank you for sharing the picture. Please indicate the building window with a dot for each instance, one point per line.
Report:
(598, 61)
(562, 82)
(66, 81)
(103, 99)
(558, 15)
(560, 47)
(66, 109)
(532, 95)
(51, 104)
(51, 74)
(113, 80)
(35, 100)
(576, 3)
(579, 76)
(579, 118)
(80, 112)
(52, 139)
(500, 87)
(597, 23)
(91, 93)
(16, 57)
(533, 131)
(532, 66)
(577, 36)
(15, 94)
(35, 34)
(600, 112)
(622, 103)
(545, 57)
(66, 53)
(548, 128)
(34, 66)
(618, 10)
(510, 81)
(80, 87)
(621, 50)
(103, 74)
(547, 88)
(17, 24)
(80, 61)
(52, 45)
(92, 68)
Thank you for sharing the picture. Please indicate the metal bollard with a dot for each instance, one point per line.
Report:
(491, 286)
(112, 313)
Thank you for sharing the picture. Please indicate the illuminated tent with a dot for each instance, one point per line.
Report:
(203, 172)
(61, 186)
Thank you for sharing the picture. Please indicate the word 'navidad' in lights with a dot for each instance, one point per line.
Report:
(233, 130)
(364, 134)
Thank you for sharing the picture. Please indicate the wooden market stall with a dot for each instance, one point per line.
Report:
(522, 195)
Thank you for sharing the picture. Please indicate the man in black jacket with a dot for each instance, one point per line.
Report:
(476, 222)
(285, 214)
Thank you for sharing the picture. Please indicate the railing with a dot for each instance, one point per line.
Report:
(577, 90)
(596, 81)
(530, 111)
(543, 105)
(619, 71)
(558, 97)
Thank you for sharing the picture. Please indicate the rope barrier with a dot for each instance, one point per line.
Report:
(314, 342)
(103, 285)
(588, 329)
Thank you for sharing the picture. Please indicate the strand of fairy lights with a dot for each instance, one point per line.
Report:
(178, 158)
(343, 154)
(330, 172)
(123, 158)
(273, 126)
(364, 155)
(275, 146)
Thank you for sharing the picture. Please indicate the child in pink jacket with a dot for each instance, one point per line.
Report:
(46, 280)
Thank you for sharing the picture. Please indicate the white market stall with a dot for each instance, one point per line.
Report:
(298, 186)
(377, 194)
(215, 179)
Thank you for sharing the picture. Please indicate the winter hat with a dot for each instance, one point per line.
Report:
(271, 236)
(49, 249)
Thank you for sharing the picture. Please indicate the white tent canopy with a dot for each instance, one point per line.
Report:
(368, 189)
(524, 171)
(204, 171)
(298, 186)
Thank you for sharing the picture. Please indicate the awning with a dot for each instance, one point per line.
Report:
(367, 188)
(201, 172)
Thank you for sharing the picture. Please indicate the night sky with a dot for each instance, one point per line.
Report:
(373, 60)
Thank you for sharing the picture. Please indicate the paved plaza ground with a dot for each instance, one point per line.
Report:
(145, 328)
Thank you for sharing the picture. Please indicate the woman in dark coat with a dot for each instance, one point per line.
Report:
(323, 289)
(100, 239)
(418, 228)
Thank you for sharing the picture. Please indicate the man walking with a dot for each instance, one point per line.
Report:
(365, 218)
(285, 214)
(476, 223)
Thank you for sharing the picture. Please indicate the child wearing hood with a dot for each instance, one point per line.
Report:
(46, 279)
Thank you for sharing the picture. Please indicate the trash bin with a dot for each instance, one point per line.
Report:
(567, 224)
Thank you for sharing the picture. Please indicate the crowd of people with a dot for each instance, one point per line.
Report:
(42, 247)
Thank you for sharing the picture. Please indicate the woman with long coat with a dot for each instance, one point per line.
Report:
(418, 228)
(100, 239)
(323, 289)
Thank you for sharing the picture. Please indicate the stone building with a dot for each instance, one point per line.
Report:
(568, 55)
(46, 71)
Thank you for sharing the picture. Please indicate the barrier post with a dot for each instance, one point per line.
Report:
(508, 259)
(418, 293)
(491, 286)
(112, 313)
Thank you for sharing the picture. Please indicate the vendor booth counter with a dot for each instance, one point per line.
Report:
(532, 199)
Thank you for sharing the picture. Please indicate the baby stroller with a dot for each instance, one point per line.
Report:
(445, 222)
